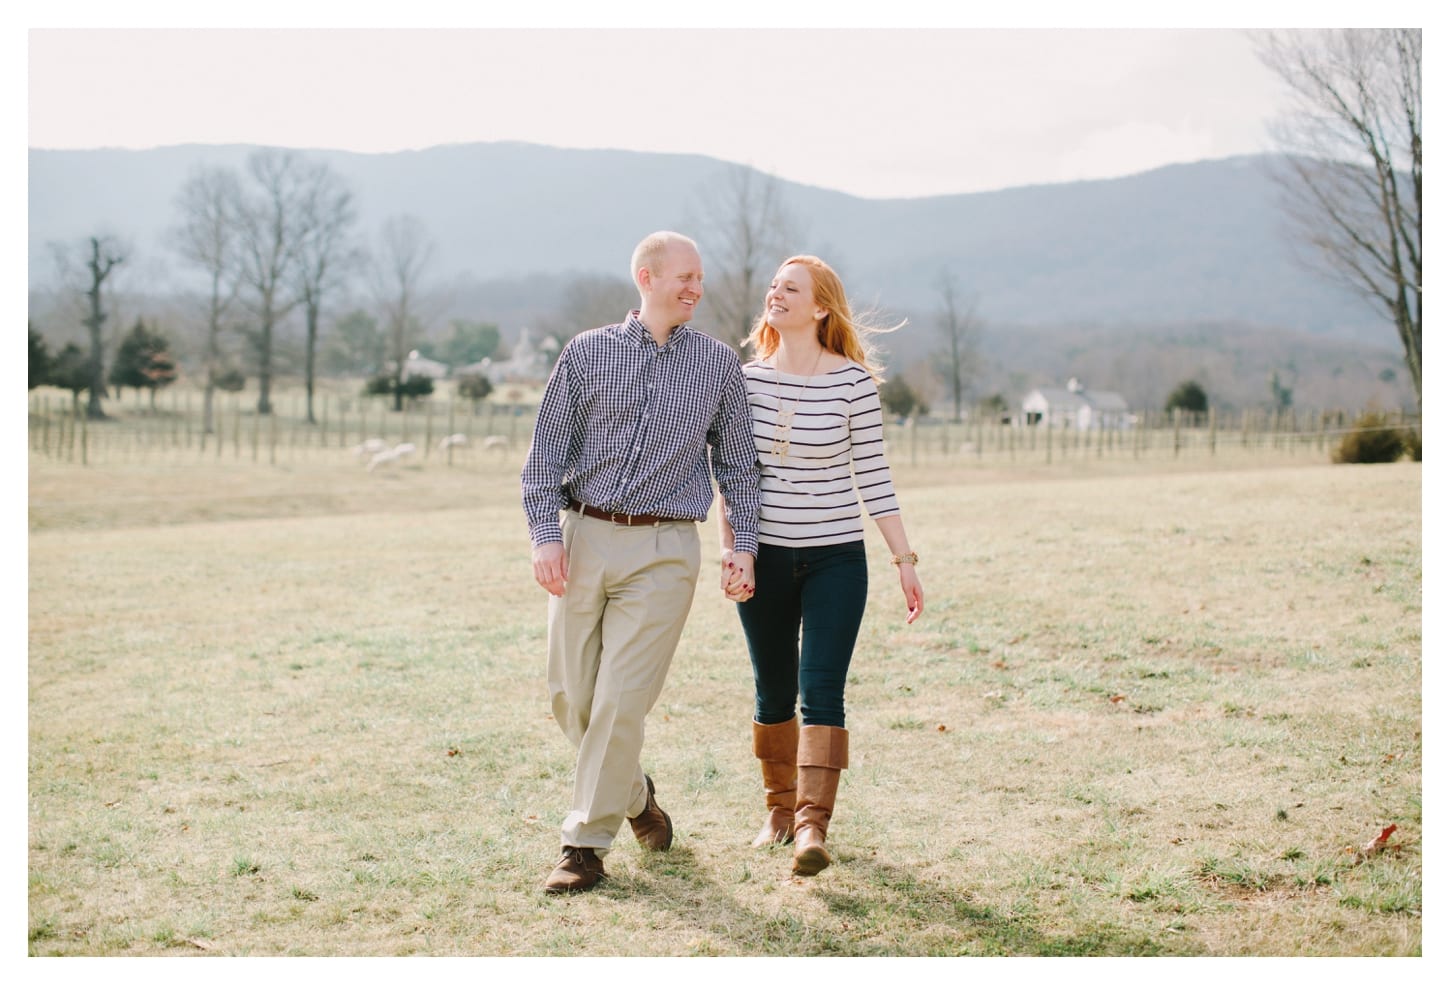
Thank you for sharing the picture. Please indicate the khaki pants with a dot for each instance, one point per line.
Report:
(611, 639)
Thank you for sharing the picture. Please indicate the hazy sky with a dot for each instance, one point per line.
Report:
(883, 112)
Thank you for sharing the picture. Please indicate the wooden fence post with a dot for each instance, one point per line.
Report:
(451, 432)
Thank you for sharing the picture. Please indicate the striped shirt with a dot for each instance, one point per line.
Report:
(631, 426)
(836, 460)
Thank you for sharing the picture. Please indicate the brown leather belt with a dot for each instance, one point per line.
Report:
(623, 519)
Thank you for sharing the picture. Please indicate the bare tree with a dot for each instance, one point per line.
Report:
(270, 227)
(103, 257)
(207, 238)
(589, 301)
(325, 255)
(746, 231)
(398, 272)
(1353, 181)
(959, 327)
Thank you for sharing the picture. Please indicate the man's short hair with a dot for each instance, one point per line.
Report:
(652, 248)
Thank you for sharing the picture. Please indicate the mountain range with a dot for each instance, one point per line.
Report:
(1192, 256)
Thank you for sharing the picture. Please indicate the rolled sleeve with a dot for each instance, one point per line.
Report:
(733, 459)
(543, 474)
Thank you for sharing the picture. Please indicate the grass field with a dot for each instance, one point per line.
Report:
(301, 711)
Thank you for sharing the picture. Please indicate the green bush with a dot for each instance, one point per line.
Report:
(1412, 444)
(1190, 396)
(230, 380)
(1373, 439)
(899, 399)
(415, 386)
(472, 386)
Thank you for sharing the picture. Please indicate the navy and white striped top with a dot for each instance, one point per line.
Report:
(634, 427)
(810, 499)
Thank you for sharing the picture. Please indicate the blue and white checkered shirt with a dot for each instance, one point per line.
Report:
(630, 426)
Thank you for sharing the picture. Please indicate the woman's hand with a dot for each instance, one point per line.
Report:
(911, 588)
(737, 576)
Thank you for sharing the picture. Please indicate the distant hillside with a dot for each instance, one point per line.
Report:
(1186, 245)
(1181, 243)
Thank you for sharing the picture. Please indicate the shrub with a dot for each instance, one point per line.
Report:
(899, 398)
(1412, 444)
(416, 385)
(229, 380)
(1372, 439)
(1190, 396)
(474, 386)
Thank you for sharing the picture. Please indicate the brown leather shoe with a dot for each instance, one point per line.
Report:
(578, 870)
(652, 828)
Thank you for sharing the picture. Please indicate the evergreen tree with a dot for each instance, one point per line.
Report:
(73, 371)
(1188, 396)
(898, 398)
(41, 361)
(143, 361)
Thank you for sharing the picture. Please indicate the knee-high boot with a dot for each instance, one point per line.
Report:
(775, 747)
(819, 760)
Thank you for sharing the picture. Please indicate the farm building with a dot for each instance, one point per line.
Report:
(1075, 406)
(530, 362)
(419, 365)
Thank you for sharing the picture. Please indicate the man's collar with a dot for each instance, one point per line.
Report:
(644, 336)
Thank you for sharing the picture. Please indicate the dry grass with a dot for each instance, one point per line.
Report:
(301, 711)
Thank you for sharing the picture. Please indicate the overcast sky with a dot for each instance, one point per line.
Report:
(883, 112)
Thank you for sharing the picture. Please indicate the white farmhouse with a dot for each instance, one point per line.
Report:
(419, 365)
(1076, 407)
(529, 362)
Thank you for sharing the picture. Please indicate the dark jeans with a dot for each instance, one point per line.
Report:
(801, 627)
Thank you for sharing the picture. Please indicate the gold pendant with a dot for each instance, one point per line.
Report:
(780, 445)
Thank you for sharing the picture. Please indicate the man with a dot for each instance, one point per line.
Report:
(633, 420)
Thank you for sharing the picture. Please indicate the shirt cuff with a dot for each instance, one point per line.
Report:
(745, 543)
(546, 531)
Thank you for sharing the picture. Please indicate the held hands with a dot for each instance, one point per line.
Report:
(737, 575)
(551, 567)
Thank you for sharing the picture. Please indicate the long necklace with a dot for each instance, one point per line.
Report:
(780, 444)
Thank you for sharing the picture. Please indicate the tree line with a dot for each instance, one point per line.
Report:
(278, 239)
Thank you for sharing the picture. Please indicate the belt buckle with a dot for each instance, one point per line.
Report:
(615, 519)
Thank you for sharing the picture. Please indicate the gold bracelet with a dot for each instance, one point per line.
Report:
(908, 558)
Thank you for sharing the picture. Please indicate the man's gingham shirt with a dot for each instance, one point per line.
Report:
(630, 426)
(836, 462)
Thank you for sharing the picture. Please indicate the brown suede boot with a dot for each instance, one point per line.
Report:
(819, 760)
(775, 747)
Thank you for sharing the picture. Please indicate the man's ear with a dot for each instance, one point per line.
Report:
(642, 279)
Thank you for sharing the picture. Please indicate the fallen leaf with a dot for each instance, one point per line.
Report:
(1378, 843)
(941, 728)
(1375, 845)
(1118, 697)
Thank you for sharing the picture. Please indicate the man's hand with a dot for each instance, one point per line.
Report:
(551, 567)
(737, 576)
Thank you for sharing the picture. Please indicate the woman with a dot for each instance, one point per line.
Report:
(817, 423)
